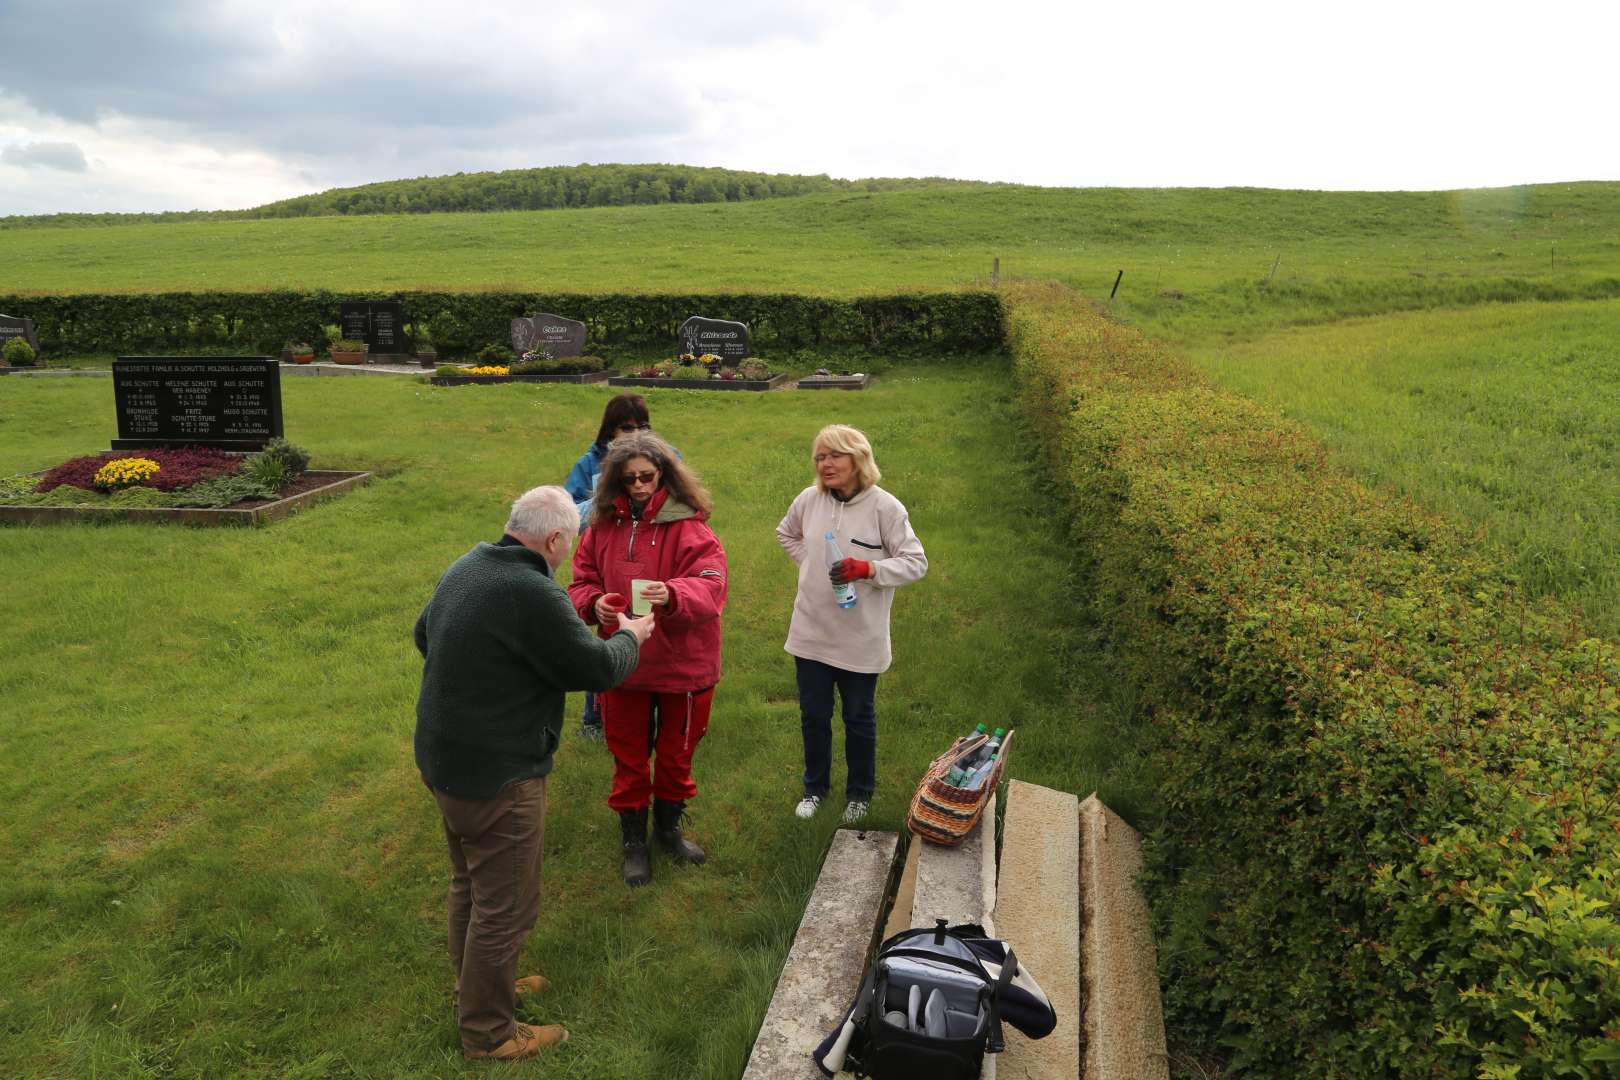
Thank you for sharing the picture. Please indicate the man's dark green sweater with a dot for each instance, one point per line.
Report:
(502, 644)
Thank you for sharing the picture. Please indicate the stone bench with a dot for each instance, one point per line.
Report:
(828, 958)
(1065, 896)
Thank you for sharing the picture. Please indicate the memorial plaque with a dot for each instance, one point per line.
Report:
(727, 340)
(553, 334)
(229, 402)
(378, 323)
(355, 320)
(11, 326)
(387, 327)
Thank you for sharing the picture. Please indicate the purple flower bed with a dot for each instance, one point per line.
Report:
(176, 468)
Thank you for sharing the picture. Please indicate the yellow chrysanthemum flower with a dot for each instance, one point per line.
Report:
(125, 472)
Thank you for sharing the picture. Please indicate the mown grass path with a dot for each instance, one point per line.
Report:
(221, 860)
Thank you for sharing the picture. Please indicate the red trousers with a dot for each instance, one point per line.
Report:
(652, 737)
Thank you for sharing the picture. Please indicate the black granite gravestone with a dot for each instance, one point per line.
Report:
(11, 326)
(378, 323)
(554, 334)
(229, 402)
(720, 337)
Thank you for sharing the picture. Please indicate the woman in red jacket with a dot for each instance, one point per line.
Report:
(649, 523)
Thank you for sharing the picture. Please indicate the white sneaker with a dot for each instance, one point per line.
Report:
(856, 811)
(807, 806)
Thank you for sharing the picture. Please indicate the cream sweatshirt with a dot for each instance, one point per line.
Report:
(873, 526)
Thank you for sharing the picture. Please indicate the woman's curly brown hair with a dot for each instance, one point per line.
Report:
(673, 474)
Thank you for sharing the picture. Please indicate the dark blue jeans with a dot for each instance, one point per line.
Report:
(593, 714)
(858, 693)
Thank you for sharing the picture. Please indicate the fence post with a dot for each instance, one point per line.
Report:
(1115, 289)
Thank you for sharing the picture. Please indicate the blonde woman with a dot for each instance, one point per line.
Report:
(844, 649)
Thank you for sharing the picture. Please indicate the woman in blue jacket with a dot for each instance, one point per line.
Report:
(625, 413)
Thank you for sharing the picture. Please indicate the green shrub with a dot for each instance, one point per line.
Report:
(13, 486)
(294, 459)
(266, 471)
(753, 368)
(690, 371)
(349, 345)
(449, 370)
(224, 491)
(457, 321)
(1389, 843)
(495, 354)
(18, 353)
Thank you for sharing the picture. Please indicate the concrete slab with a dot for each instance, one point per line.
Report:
(904, 893)
(958, 884)
(1038, 912)
(1124, 1022)
(828, 958)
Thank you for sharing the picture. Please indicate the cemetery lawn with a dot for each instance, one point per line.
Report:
(1506, 417)
(221, 860)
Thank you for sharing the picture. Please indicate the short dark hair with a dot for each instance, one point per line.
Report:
(622, 409)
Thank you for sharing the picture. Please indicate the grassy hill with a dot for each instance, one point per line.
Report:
(551, 188)
(1198, 262)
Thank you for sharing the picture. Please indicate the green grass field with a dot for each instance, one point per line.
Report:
(1197, 261)
(222, 860)
(1504, 416)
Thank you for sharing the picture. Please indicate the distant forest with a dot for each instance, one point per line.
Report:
(555, 187)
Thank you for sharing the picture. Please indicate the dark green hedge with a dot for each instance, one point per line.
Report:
(1390, 839)
(462, 322)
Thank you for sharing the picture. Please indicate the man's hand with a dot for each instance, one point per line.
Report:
(608, 608)
(642, 627)
(846, 570)
(655, 592)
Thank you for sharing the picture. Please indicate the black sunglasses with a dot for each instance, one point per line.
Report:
(640, 478)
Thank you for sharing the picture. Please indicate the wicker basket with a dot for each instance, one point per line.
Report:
(945, 813)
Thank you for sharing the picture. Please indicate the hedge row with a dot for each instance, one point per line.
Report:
(1390, 842)
(460, 323)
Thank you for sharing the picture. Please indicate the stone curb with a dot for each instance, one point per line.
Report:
(1124, 1021)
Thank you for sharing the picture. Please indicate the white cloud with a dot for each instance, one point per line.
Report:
(194, 104)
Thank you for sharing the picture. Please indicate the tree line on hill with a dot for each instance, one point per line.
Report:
(554, 187)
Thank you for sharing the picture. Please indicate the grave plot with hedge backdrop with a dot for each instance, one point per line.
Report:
(460, 323)
(1390, 839)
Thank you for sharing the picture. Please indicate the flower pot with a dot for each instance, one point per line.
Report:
(303, 357)
(348, 357)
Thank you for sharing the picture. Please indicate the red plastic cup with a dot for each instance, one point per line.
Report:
(615, 603)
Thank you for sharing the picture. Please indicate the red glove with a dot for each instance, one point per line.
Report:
(846, 570)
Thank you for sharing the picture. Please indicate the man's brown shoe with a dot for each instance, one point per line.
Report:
(526, 1042)
(532, 984)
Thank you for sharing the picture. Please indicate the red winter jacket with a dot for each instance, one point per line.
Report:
(673, 544)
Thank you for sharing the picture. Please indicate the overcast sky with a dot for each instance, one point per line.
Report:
(182, 104)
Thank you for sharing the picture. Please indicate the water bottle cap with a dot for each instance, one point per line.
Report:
(979, 729)
(1000, 731)
(830, 536)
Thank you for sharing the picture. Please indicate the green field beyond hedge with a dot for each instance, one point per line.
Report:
(1198, 262)
(221, 861)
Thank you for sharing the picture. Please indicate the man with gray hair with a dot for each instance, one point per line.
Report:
(501, 646)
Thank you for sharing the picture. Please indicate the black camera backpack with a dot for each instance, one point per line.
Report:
(932, 1005)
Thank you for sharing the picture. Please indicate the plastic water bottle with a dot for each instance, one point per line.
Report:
(845, 593)
(956, 776)
(980, 774)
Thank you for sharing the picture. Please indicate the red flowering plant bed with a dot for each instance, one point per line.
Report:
(176, 468)
(180, 479)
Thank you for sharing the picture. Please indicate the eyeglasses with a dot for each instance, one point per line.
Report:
(633, 478)
(632, 426)
(830, 455)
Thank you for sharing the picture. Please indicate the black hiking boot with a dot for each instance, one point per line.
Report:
(637, 863)
(667, 827)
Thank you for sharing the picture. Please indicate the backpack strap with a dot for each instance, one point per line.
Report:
(1009, 968)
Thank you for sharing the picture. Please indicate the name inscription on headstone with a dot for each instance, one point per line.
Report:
(378, 323)
(232, 402)
(11, 326)
(553, 334)
(720, 337)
